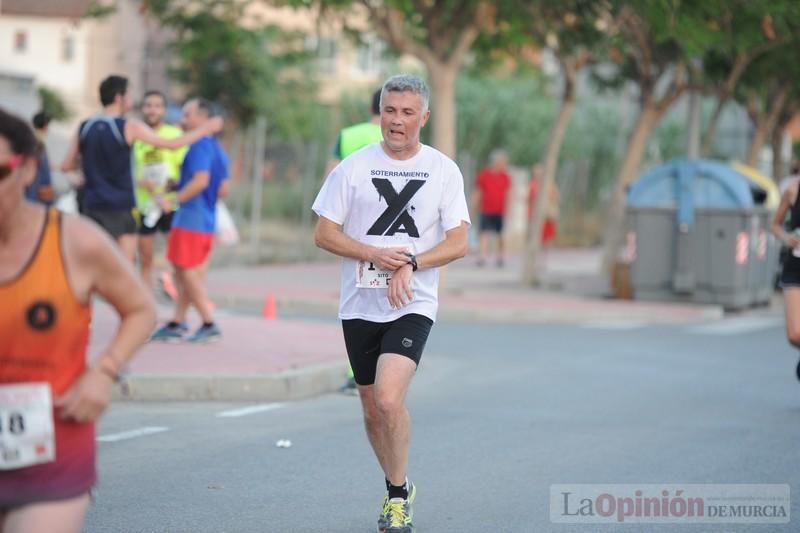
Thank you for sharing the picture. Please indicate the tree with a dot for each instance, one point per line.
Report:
(439, 34)
(747, 30)
(53, 104)
(249, 71)
(656, 44)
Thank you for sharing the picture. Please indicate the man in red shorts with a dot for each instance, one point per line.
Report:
(204, 169)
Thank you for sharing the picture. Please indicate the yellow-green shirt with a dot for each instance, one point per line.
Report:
(160, 165)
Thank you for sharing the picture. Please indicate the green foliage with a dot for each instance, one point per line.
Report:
(99, 10)
(250, 71)
(53, 104)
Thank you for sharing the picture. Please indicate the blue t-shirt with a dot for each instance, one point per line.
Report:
(199, 213)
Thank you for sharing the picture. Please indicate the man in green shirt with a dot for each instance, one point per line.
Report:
(156, 171)
(352, 139)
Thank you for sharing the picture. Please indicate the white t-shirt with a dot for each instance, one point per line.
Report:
(385, 202)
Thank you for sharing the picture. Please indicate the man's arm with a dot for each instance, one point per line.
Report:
(99, 267)
(454, 246)
(136, 130)
(70, 163)
(330, 236)
(196, 185)
(224, 189)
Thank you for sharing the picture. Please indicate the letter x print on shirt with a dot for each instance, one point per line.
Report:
(396, 218)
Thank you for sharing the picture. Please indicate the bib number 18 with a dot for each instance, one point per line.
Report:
(26, 425)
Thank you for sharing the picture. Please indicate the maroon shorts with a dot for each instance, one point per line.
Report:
(188, 249)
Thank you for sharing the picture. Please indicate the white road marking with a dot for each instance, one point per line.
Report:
(737, 326)
(616, 325)
(244, 411)
(132, 434)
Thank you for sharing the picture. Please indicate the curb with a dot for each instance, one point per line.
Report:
(296, 384)
(539, 316)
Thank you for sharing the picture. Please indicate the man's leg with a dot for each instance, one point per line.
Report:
(127, 242)
(387, 421)
(54, 517)
(182, 302)
(194, 288)
(146, 245)
(500, 243)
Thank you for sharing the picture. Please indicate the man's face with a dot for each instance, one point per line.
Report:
(124, 102)
(402, 118)
(193, 116)
(153, 110)
(15, 174)
(501, 163)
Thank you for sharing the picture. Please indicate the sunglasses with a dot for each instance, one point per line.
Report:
(10, 165)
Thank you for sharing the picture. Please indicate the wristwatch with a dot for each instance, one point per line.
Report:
(412, 260)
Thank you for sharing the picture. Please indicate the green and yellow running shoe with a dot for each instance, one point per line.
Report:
(396, 513)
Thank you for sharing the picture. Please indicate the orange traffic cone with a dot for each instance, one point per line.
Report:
(270, 310)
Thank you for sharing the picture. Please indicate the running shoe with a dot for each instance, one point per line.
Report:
(350, 387)
(170, 333)
(204, 334)
(385, 518)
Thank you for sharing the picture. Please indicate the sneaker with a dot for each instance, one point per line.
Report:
(206, 334)
(385, 518)
(797, 371)
(350, 387)
(170, 333)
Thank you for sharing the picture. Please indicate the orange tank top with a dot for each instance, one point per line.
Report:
(44, 328)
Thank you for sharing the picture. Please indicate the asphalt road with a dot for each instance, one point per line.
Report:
(500, 413)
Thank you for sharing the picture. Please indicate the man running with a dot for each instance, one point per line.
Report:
(395, 212)
(51, 265)
(203, 172)
(104, 144)
(157, 173)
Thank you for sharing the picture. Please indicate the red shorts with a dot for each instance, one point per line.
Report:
(187, 248)
(548, 230)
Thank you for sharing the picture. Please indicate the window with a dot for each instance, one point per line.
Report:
(68, 48)
(370, 55)
(20, 41)
(326, 53)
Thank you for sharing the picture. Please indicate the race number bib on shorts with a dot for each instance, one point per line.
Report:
(368, 276)
(26, 425)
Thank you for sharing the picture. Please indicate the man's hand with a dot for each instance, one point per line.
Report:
(165, 204)
(389, 259)
(88, 397)
(46, 193)
(400, 293)
(147, 185)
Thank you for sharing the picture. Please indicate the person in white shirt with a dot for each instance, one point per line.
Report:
(395, 211)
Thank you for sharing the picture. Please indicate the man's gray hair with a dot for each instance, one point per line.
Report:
(498, 154)
(407, 82)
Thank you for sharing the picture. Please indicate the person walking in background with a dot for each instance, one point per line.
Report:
(157, 172)
(549, 227)
(41, 189)
(51, 266)
(203, 173)
(490, 199)
(102, 150)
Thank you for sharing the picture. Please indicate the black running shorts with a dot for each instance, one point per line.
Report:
(366, 341)
(491, 223)
(116, 222)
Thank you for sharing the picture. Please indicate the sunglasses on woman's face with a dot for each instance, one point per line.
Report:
(8, 166)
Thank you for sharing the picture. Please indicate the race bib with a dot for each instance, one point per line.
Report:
(368, 276)
(26, 425)
(158, 173)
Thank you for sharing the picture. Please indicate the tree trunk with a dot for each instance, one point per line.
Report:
(767, 124)
(530, 274)
(778, 170)
(711, 132)
(443, 106)
(646, 122)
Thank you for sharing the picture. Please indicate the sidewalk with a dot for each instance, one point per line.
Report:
(278, 360)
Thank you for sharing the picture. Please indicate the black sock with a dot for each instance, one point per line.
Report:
(398, 492)
(172, 324)
(208, 324)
